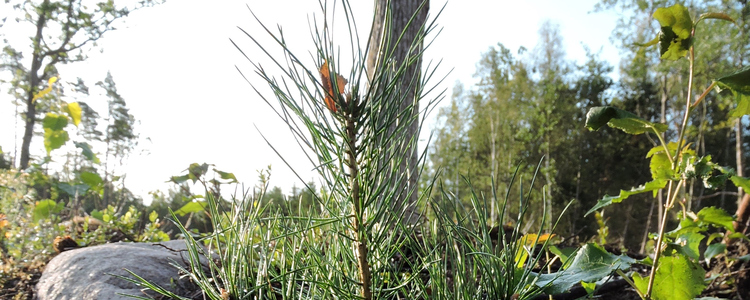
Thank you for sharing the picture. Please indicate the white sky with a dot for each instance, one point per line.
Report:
(175, 67)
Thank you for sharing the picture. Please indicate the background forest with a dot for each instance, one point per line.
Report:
(527, 108)
(532, 103)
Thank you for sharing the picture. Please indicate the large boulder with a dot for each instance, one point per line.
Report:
(86, 273)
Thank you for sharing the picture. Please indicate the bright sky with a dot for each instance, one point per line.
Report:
(175, 67)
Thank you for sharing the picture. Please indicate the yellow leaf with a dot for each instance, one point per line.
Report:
(46, 91)
(74, 111)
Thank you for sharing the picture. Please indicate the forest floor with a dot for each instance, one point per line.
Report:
(728, 277)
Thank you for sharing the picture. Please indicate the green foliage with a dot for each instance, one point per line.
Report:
(28, 227)
(675, 273)
(676, 36)
(45, 209)
(590, 263)
(679, 278)
(739, 84)
(620, 119)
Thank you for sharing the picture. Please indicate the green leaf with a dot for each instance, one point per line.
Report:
(72, 190)
(716, 216)
(97, 215)
(54, 122)
(226, 176)
(590, 264)
(713, 250)
(589, 287)
(677, 278)
(718, 16)
(660, 164)
(620, 119)
(563, 253)
(742, 182)
(179, 179)
(153, 216)
(196, 171)
(54, 139)
(649, 43)
(43, 209)
(74, 111)
(191, 207)
(739, 84)
(87, 152)
(690, 242)
(608, 200)
(676, 28)
(90, 178)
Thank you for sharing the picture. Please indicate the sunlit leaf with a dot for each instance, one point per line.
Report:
(676, 26)
(660, 164)
(677, 278)
(690, 241)
(620, 119)
(563, 253)
(74, 111)
(54, 139)
(742, 182)
(153, 216)
(54, 122)
(717, 217)
(589, 287)
(195, 206)
(45, 91)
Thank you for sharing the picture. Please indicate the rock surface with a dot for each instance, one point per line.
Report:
(85, 273)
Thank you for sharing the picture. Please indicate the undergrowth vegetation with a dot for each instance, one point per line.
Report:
(370, 231)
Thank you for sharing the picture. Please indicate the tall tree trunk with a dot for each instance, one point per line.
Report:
(399, 13)
(30, 118)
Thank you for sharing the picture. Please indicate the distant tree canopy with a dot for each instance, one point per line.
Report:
(533, 105)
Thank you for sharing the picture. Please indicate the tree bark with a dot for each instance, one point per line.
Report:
(399, 13)
(30, 118)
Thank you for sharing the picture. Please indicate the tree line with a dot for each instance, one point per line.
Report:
(528, 109)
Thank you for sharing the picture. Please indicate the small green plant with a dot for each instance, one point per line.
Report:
(675, 273)
(358, 245)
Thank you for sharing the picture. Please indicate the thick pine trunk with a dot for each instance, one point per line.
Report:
(400, 12)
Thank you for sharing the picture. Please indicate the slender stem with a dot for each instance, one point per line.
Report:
(671, 196)
(360, 240)
(630, 282)
(681, 138)
(705, 93)
(664, 144)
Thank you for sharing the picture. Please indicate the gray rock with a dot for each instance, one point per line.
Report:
(83, 273)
